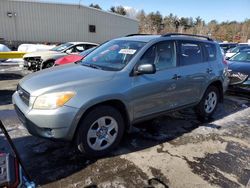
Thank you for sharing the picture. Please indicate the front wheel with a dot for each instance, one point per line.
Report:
(100, 131)
(208, 103)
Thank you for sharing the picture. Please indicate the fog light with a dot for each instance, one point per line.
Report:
(48, 133)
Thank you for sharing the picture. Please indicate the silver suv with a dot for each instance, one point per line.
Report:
(120, 83)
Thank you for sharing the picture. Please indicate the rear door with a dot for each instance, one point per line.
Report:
(194, 71)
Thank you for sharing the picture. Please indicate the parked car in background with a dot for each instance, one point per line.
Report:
(41, 60)
(29, 48)
(239, 66)
(73, 57)
(124, 81)
(227, 46)
(4, 48)
(231, 52)
(34, 47)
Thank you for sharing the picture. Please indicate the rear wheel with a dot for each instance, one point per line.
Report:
(208, 103)
(100, 131)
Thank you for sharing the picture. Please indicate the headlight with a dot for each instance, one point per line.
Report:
(52, 100)
(237, 78)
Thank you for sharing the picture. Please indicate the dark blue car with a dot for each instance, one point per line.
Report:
(239, 65)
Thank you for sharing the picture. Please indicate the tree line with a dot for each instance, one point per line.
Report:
(118, 9)
(156, 23)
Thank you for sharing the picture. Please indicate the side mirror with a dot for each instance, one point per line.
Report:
(145, 69)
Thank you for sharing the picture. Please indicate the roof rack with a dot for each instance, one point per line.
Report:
(183, 34)
(130, 35)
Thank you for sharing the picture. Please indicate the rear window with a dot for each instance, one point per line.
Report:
(210, 51)
(191, 53)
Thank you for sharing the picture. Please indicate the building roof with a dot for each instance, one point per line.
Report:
(70, 3)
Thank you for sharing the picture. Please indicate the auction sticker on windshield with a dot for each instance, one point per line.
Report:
(127, 51)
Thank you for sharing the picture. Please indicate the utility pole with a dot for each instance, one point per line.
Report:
(80, 3)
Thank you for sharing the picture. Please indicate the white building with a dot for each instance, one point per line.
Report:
(39, 22)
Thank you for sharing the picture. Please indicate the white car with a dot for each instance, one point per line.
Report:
(44, 59)
(34, 47)
(4, 48)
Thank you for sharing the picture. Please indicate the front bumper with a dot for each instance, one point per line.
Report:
(243, 88)
(53, 124)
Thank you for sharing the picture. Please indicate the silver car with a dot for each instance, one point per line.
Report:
(122, 82)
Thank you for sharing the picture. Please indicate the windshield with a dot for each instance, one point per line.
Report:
(61, 47)
(86, 52)
(113, 55)
(241, 56)
(239, 48)
(234, 50)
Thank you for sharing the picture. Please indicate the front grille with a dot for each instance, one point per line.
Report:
(32, 60)
(24, 95)
(21, 116)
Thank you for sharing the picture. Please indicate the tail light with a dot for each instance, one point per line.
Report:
(224, 61)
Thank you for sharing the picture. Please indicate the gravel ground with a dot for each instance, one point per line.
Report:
(176, 150)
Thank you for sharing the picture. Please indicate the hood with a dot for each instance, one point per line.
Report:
(63, 77)
(42, 54)
(68, 59)
(242, 67)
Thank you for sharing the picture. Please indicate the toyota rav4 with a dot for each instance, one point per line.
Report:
(122, 82)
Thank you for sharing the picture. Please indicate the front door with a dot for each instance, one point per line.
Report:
(154, 93)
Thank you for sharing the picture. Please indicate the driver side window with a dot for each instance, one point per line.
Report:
(149, 56)
(162, 54)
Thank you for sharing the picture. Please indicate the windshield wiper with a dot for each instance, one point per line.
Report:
(91, 65)
(77, 62)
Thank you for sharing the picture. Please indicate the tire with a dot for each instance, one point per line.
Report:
(48, 64)
(95, 136)
(208, 103)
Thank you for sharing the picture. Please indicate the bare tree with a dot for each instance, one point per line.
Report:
(95, 6)
(118, 10)
(233, 31)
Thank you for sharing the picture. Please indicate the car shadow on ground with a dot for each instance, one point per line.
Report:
(10, 76)
(5, 97)
(5, 94)
(48, 161)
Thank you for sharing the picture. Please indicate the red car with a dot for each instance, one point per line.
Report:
(73, 57)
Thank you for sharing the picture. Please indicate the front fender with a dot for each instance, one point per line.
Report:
(96, 101)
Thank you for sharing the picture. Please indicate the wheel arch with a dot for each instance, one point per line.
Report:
(47, 61)
(115, 103)
(218, 84)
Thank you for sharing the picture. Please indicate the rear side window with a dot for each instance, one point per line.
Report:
(190, 53)
(79, 48)
(210, 52)
(88, 46)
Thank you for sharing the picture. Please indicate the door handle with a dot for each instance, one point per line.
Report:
(209, 70)
(176, 77)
